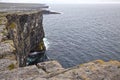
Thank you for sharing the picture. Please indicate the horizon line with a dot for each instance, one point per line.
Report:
(65, 3)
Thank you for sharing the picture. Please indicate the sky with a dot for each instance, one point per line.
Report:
(62, 1)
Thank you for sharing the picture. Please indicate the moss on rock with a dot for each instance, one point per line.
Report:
(99, 62)
(41, 46)
(11, 66)
(13, 25)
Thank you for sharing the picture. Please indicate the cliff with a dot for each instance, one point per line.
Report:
(25, 30)
(21, 32)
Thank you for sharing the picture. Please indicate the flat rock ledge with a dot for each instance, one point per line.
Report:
(52, 70)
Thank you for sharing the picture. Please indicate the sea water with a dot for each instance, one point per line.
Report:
(83, 33)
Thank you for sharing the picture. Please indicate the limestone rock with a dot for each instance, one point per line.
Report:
(91, 71)
(6, 64)
(36, 78)
(25, 73)
(50, 66)
(3, 20)
(6, 45)
(52, 70)
(7, 49)
(26, 31)
(3, 33)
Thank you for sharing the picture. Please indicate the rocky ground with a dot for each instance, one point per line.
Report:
(52, 70)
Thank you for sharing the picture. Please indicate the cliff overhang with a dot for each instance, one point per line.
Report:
(24, 29)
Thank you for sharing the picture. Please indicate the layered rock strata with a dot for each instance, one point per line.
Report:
(22, 31)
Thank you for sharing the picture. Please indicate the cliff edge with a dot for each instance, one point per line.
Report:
(52, 70)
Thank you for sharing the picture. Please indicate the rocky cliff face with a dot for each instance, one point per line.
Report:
(6, 45)
(25, 31)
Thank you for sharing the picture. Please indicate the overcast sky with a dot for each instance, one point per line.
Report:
(62, 1)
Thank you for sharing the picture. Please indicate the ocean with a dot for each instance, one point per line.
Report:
(83, 33)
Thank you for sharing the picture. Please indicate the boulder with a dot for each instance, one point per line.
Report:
(50, 66)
